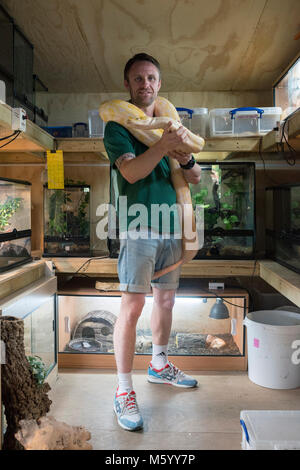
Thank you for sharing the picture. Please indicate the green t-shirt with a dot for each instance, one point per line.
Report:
(151, 192)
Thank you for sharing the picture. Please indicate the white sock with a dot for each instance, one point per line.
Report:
(159, 356)
(125, 382)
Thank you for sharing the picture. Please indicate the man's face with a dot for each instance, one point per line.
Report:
(143, 83)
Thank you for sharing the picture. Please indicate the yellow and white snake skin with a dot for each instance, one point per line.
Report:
(149, 130)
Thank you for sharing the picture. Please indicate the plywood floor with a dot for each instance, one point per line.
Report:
(204, 418)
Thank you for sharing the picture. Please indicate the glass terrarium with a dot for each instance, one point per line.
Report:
(283, 225)
(226, 194)
(67, 221)
(287, 90)
(15, 223)
(86, 325)
(36, 306)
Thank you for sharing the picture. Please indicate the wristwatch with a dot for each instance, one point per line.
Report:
(189, 164)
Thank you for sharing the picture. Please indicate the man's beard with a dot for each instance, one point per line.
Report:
(142, 101)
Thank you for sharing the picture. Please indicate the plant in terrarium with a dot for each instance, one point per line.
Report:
(7, 210)
(38, 368)
(67, 215)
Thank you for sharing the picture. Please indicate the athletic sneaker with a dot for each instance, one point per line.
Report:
(127, 411)
(170, 375)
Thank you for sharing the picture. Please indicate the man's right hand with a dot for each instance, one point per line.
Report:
(171, 140)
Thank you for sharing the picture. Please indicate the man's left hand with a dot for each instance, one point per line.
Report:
(181, 157)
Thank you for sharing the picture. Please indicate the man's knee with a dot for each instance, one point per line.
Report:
(132, 306)
(165, 299)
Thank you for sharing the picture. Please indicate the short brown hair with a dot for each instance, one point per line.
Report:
(141, 57)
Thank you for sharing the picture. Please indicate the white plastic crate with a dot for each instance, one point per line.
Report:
(185, 115)
(200, 121)
(242, 122)
(270, 429)
(194, 119)
(96, 125)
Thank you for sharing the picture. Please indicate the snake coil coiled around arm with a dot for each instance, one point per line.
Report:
(149, 130)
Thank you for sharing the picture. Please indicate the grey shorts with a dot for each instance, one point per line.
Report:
(139, 259)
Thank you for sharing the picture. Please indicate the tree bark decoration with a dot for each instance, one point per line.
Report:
(22, 397)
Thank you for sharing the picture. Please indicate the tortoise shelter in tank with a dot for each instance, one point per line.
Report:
(86, 325)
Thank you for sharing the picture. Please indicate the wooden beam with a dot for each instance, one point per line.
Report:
(107, 267)
(141, 361)
(232, 144)
(269, 143)
(284, 280)
(34, 139)
(18, 278)
(80, 145)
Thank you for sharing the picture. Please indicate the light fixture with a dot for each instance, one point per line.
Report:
(219, 311)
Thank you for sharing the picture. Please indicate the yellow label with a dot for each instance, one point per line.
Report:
(55, 165)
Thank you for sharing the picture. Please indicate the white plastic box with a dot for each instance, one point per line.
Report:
(200, 121)
(185, 115)
(242, 122)
(194, 119)
(270, 429)
(96, 125)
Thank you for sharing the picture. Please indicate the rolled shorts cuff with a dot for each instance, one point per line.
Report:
(165, 286)
(134, 288)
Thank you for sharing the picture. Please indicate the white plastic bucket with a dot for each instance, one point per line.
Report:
(273, 342)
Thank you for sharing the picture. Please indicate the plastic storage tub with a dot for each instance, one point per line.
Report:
(273, 340)
(96, 125)
(200, 121)
(242, 122)
(194, 119)
(185, 115)
(270, 429)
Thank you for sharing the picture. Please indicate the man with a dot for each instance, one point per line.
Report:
(143, 175)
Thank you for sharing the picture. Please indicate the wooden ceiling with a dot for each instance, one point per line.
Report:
(202, 45)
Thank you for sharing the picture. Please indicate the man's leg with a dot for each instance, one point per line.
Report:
(125, 330)
(160, 369)
(161, 318)
(125, 404)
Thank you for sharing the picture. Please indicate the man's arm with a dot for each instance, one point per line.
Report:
(134, 169)
(192, 175)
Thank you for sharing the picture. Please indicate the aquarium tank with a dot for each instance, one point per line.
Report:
(67, 220)
(226, 195)
(86, 325)
(283, 225)
(15, 223)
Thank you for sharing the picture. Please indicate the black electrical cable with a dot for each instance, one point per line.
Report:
(6, 143)
(264, 164)
(87, 262)
(8, 136)
(292, 161)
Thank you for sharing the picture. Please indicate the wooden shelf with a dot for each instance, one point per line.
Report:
(269, 141)
(284, 280)
(20, 277)
(280, 278)
(107, 267)
(33, 140)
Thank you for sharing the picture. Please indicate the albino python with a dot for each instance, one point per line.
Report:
(149, 130)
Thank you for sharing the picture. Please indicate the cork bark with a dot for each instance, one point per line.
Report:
(22, 397)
